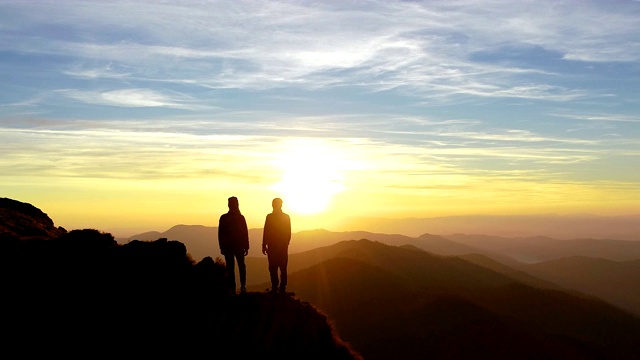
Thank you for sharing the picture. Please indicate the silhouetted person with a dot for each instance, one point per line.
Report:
(275, 244)
(233, 237)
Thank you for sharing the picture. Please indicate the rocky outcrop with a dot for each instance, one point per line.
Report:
(22, 221)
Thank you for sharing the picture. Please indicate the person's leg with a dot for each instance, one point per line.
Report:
(273, 271)
(284, 260)
(231, 272)
(242, 269)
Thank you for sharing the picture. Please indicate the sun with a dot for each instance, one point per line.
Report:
(311, 176)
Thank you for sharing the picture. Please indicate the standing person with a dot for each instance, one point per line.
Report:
(233, 238)
(275, 244)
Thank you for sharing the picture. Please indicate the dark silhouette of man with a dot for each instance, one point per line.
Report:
(275, 244)
(233, 238)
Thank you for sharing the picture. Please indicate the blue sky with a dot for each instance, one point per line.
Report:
(413, 108)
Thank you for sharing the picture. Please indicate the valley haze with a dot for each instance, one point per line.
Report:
(606, 268)
(556, 226)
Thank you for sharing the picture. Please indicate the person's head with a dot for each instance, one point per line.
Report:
(276, 203)
(233, 203)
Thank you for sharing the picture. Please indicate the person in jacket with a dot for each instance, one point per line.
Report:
(233, 238)
(275, 244)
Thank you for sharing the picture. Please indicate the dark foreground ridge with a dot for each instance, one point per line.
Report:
(82, 294)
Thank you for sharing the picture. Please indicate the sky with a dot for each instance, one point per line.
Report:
(132, 115)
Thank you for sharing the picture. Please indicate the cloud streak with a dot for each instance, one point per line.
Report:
(422, 46)
(129, 98)
(427, 102)
(173, 149)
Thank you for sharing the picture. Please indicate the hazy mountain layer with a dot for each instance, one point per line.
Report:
(202, 241)
(391, 302)
(551, 225)
(540, 248)
(618, 282)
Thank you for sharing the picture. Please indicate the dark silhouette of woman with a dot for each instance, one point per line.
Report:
(233, 238)
(275, 244)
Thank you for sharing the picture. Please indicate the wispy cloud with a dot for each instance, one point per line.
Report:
(105, 71)
(602, 117)
(168, 149)
(131, 98)
(424, 46)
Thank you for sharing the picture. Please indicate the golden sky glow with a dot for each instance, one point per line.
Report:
(154, 181)
(134, 116)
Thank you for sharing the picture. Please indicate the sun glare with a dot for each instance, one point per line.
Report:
(311, 176)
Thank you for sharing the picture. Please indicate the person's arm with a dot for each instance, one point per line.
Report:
(222, 235)
(288, 229)
(265, 236)
(245, 236)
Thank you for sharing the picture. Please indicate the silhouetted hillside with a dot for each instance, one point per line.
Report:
(201, 241)
(540, 248)
(312, 239)
(391, 302)
(84, 295)
(257, 266)
(617, 282)
(84, 291)
(550, 225)
(511, 272)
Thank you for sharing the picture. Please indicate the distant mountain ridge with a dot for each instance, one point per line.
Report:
(489, 251)
(576, 226)
(202, 241)
(542, 248)
(392, 302)
(509, 256)
(616, 281)
(199, 239)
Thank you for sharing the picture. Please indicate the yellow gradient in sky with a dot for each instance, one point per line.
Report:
(151, 118)
(142, 181)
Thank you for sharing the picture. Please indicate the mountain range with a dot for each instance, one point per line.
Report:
(533, 260)
(202, 241)
(539, 267)
(575, 226)
(617, 282)
(454, 296)
(402, 302)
